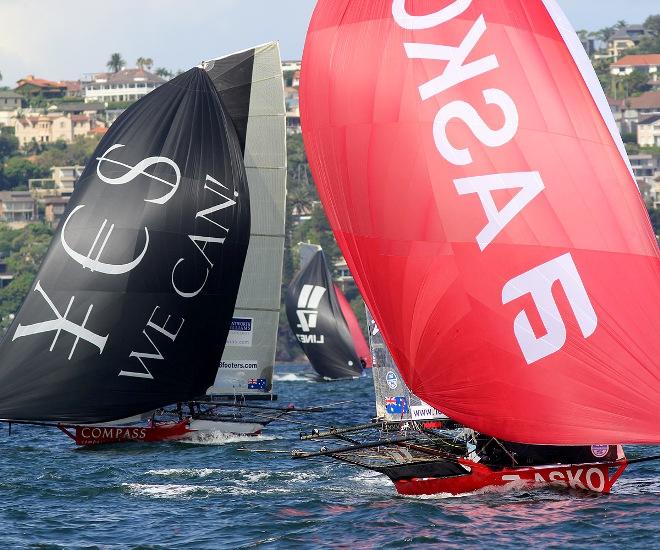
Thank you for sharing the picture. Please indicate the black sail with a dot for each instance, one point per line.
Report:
(316, 320)
(133, 302)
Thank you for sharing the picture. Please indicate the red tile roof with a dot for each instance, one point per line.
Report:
(638, 60)
(649, 100)
(39, 82)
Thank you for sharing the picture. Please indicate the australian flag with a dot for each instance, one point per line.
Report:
(396, 405)
(257, 384)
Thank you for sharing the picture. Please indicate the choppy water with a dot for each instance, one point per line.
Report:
(212, 494)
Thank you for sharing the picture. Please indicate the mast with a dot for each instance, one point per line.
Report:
(133, 302)
(250, 84)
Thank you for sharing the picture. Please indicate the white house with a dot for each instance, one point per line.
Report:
(124, 85)
(648, 131)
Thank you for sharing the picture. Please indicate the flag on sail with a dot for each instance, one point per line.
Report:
(396, 405)
(132, 305)
(475, 181)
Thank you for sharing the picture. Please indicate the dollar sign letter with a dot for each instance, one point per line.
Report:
(139, 169)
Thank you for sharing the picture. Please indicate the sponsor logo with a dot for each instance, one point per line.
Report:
(308, 306)
(392, 380)
(311, 338)
(257, 384)
(240, 332)
(536, 284)
(599, 451)
(425, 412)
(161, 328)
(103, 434)
(396, 405)
(594, 479)
(233, 365)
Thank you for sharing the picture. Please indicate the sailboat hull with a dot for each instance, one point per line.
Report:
(594, 477)
(98, 435)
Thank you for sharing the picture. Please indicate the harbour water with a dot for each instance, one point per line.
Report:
(220, 493)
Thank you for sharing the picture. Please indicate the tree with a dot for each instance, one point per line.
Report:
(621, 23)
(116, 62)
(634, 83)
(652, 24)
(8, 146)
(163, 72)
(19, 170)
(25, 249)
(143, 62)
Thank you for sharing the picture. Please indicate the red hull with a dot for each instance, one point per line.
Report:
(589, 477)
(97, 435)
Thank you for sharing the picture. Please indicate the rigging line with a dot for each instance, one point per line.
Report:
(643, 459)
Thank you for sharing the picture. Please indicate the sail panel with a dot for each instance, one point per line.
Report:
(133, 302)
(247, 368)
(316, 320)
(488, 214)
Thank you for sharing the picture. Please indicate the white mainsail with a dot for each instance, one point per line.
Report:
(247, 362)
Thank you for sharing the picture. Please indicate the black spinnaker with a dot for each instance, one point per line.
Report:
(316, 320)
(132, 305)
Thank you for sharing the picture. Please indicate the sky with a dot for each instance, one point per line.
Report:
(65, 39)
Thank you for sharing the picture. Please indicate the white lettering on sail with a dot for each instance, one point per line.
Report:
(418, 22)
(468, 114)
(139, 169)
(61, 323)
(95, 264)
(156, 354)
(529, 183)
(538, 282)
(204, 240)
(308, 306)
(455, 72)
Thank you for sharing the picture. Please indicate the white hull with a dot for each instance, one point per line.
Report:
(228, 427)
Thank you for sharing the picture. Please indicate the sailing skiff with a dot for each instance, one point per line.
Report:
(477, 185)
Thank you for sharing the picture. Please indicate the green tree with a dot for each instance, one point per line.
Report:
(24, 250)
(116, 62)
(8, 146)
(143, 62)
(19, 170)
(605, 33)
(652, 24)
(163, 72)
(621, 23)
(633, 84)
(647, 45)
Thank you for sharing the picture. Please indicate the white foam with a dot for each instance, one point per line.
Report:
(172, 491)
(292, 377)
(185, 472)
(221, 438)
(180, 490)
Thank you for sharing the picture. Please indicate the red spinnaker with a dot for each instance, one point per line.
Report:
(477, 186)
(360, 343)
